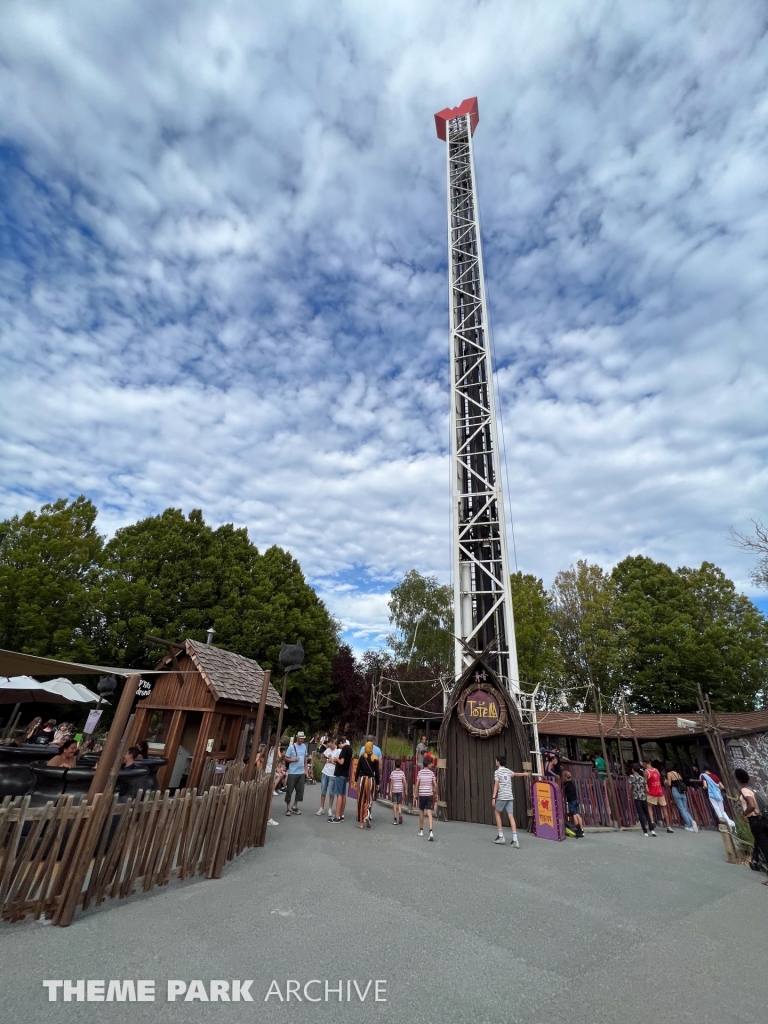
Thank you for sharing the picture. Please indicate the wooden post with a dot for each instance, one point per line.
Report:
(259, 723)
(7, 732)
(611, 791)
(271, 790)
(115, 734)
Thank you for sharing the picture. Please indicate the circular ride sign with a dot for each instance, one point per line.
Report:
(482, 710)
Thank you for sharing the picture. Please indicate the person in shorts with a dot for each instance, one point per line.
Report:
(327, 776)
(343, 763)
(397, 792)
(656, 796)
(572, 803)
(427, 790)
(503, 799)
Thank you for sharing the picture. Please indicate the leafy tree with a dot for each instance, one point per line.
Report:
(174, 577)
(684, 628)
(352, 691)
(49, 565)
(421, 611)
(535, 636)
(585, 626)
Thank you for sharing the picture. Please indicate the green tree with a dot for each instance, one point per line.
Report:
(684, 628)
(49, 566)
(535, 636)
(173, 577)
(582, 602)
(421, 611)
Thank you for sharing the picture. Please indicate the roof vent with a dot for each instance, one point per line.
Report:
(210, 631)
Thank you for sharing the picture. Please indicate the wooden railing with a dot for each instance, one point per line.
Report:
(66, 855)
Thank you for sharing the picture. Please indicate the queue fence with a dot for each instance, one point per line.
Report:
(69, 855)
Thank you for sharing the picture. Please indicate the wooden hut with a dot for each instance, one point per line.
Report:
(480, 721)
(200, 709)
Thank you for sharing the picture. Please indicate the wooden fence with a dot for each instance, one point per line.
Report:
(66, 855)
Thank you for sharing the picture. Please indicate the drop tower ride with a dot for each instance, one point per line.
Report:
(481, 585)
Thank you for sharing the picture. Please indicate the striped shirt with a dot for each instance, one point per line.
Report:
(398, 780)
(426, 780)
(504, 778)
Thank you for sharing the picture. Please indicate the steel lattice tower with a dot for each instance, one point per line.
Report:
(482, 594)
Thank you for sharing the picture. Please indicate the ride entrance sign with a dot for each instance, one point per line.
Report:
(144, 688)
(547, 801)
(481, 708)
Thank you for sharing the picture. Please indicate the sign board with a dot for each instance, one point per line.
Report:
(481, 709)
(91, 722)
(144, 688)
(548, 814)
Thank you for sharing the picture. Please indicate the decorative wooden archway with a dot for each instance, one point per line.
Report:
(480, 721)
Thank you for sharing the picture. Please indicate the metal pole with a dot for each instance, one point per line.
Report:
(259, 723)
(271, 790)
(114, 736)
(11, 722)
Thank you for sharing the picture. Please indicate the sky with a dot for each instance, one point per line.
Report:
(223, 273)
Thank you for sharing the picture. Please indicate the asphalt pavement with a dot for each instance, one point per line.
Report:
(610, 929)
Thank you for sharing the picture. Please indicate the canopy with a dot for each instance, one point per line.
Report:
(24, 690)
(13, 663)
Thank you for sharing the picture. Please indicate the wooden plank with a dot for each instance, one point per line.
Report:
(10, 858)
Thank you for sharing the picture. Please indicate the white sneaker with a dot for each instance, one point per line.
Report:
(695, 827)
(689, 828)
(321, 811)
(421, 831)
(516, 844)
(645, 835)
(273, 822)
(431, 837)
(500, 840)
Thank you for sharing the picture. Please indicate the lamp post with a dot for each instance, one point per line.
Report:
(291, 658)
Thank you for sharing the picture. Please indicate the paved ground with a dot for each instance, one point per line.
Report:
(611, 928)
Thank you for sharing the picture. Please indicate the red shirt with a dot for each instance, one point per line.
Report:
(654, 782)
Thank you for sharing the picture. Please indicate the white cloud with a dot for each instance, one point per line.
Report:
(222, 278)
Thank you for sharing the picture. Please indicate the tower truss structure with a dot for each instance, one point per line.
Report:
(482, 591)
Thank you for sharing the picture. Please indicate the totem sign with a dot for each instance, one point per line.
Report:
(481, 708)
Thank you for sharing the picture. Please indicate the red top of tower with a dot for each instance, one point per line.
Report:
(442, 117)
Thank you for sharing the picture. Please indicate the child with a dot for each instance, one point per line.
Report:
(503, 799)
(396, 790)
(427, 789)
(572, 803)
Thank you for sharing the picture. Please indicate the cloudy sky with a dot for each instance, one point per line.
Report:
(223, 277)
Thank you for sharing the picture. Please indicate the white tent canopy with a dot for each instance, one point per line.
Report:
(25, 689)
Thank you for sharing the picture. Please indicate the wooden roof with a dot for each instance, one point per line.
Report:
(646, 727)
(229, 676)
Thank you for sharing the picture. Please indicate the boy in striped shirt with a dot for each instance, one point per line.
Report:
(427, 789)
(396, 791)
(503, 799)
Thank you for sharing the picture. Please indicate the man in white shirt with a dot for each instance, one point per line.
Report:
(327, 776)
(503, 799)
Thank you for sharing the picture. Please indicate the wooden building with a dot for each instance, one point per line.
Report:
(201, 709)
(481, 721)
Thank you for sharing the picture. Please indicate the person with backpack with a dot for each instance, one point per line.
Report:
(715, 794)
(680, 796)
(572, 803)
(758, 825)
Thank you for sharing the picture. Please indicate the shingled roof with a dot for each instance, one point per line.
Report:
(646, 727)
(229, 675)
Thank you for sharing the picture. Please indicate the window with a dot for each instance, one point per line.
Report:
(159, 724)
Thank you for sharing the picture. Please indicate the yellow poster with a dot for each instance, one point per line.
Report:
(544, 810)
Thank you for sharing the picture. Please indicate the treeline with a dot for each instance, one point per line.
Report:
(645, 630)
(67, 592)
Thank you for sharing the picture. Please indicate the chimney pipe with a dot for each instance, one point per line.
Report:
(210, 631)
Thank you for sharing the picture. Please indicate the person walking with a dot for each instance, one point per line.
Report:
(680, 796)
(656, 796)
(296, 759)
(327, 775)
(715, 794)
(367, 778)
(422, 748)
(397, 782)
(427, 790)
(502, 799)
(342, 765)
(640, 800)
(571, 795)
(754, 816)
